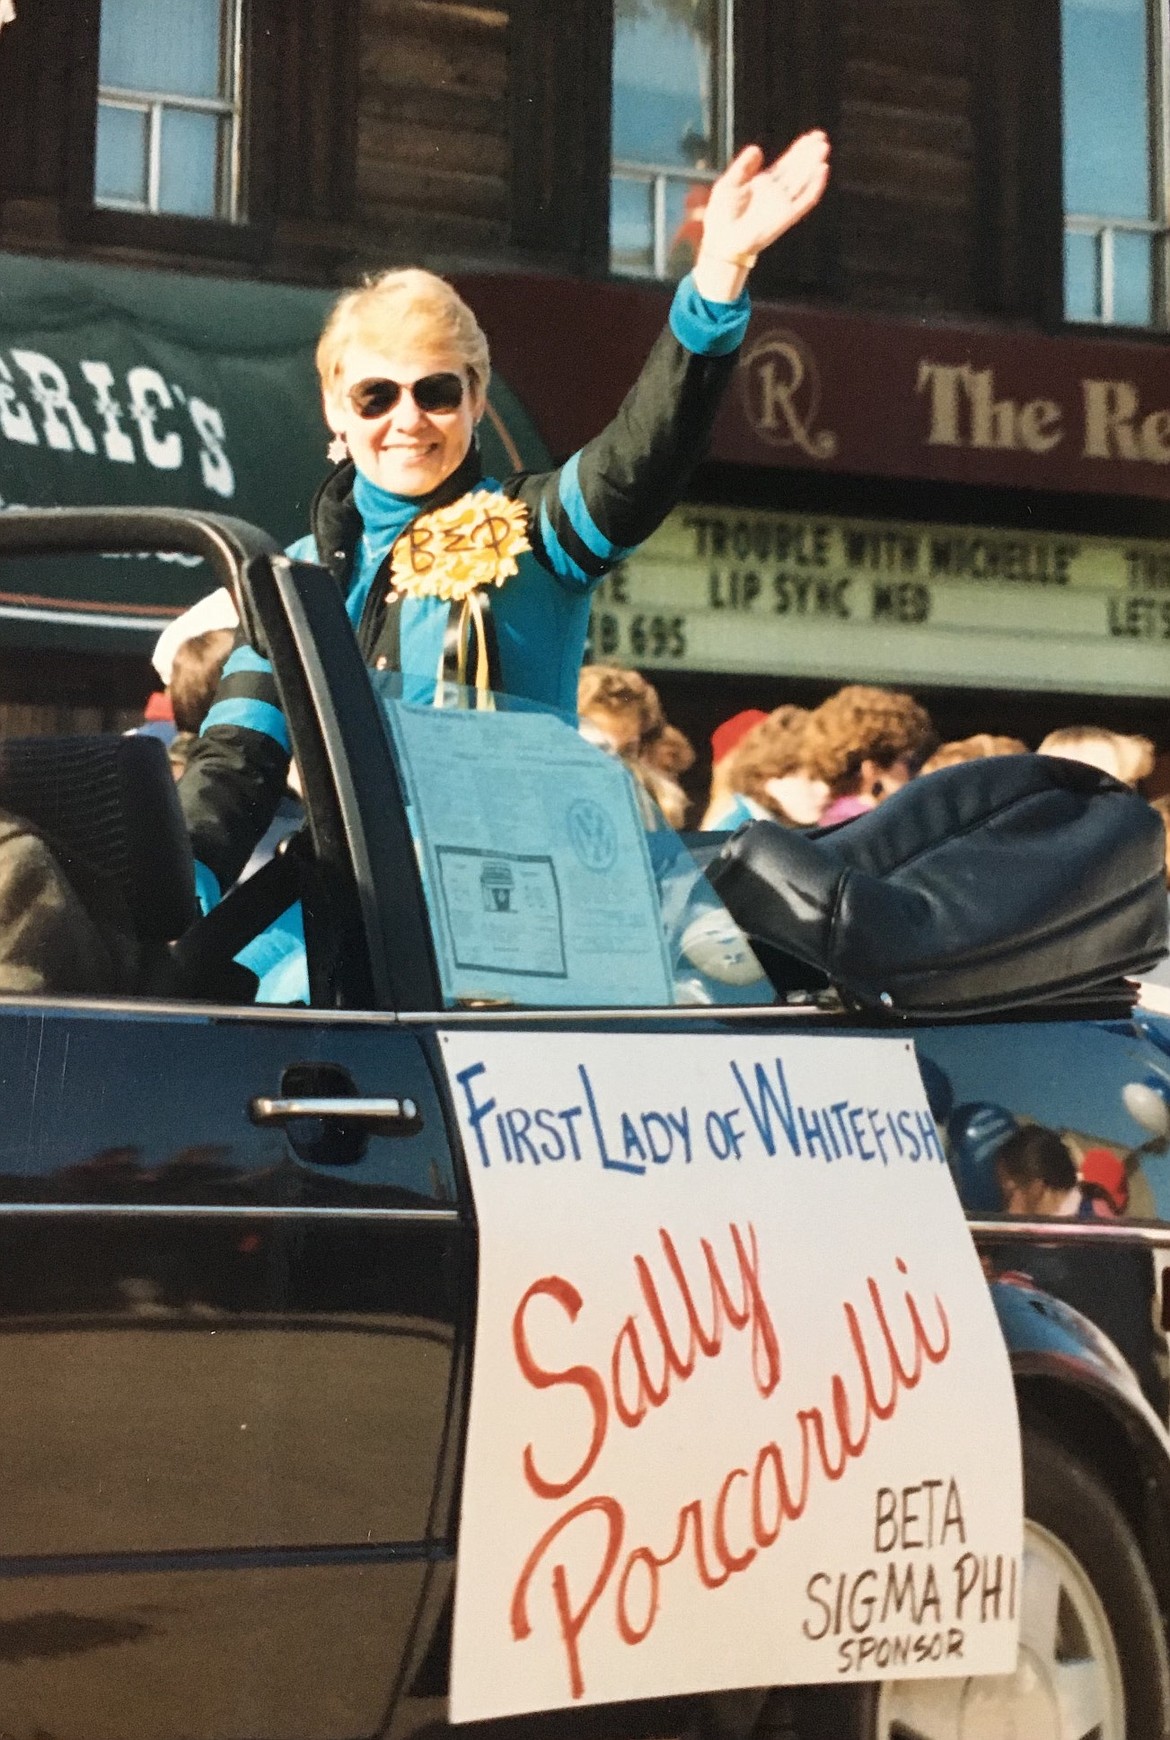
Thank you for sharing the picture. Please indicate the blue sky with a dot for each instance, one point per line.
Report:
(1106, 131)
(656, 90)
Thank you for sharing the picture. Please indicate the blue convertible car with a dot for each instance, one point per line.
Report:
(238, 1251)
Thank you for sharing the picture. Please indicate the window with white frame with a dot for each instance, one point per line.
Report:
(671, 129)
(168, 120)
(1113, 56)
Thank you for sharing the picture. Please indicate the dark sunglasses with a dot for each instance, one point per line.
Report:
(432, 393)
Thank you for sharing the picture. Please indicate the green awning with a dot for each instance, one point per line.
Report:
(162, 389)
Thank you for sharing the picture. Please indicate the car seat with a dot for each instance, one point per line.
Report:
(105, 807)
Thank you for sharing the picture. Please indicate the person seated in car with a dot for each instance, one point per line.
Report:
(404, 371)
(865, 743)
(195, 676)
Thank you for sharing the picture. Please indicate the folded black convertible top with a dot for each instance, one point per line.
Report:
(991, 885)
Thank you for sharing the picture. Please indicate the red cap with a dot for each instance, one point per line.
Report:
(1102, 1166)
(725, 737)
(158, 706)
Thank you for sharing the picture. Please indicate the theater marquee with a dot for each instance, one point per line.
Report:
(720, 589)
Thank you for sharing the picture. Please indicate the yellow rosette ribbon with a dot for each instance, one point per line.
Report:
(458, 553)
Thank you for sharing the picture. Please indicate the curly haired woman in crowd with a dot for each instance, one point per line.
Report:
(865, 743)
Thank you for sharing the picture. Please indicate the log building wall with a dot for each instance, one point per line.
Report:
(475, 135)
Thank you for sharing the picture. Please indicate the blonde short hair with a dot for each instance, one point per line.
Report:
(403, 310)
(976, 748)
(1130, 758)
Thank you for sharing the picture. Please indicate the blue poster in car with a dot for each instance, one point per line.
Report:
(535, 863)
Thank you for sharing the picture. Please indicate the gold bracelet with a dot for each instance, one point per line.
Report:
(747, 261)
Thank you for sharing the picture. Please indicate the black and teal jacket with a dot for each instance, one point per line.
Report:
(583, 517)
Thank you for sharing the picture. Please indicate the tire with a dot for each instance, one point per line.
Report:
(1091, 1631)
(1104, 1646)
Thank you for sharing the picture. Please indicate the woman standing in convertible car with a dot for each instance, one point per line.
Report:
(404, 372)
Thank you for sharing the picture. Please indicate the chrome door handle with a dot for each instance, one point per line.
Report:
(403, 1113)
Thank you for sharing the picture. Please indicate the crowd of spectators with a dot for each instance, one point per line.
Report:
(808, 767)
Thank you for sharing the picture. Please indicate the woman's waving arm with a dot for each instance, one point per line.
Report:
(751, 206)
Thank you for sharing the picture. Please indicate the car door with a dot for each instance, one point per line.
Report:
(225, 1373)
(227, 1348)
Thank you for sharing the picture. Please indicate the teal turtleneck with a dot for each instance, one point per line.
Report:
(385, 516)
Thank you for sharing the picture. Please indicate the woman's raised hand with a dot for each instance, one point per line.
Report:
(750, 206)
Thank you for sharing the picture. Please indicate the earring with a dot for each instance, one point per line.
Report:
(337, 451)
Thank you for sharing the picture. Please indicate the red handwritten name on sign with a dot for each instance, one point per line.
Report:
(775, 1490)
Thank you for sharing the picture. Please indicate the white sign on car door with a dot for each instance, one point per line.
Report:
(741, 1413)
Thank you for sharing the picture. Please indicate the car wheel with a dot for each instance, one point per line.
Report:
(1093, 1659)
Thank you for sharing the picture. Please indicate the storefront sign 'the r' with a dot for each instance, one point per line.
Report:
(967, 411)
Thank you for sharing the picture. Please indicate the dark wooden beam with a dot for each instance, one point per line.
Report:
(1019, 219)
(304, 86)
(560, 60)
(48, 77)
(787, 79)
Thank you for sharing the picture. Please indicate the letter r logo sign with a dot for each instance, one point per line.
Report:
(780, 390)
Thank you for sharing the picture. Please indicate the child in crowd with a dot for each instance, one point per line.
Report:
(1038, 1176)
(618, 709)
(725, 738)
(621, 712)
(766, 776)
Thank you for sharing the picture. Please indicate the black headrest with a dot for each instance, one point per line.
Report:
(108, 807)
(988, 885)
